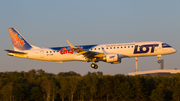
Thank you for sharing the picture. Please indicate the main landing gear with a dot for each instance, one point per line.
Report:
(94, 65)
(158, 56)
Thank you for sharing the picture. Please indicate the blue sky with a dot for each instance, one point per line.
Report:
(47, 23)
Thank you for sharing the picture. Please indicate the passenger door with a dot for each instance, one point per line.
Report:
(41, 53)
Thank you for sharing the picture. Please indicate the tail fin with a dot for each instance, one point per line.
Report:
(18, 41)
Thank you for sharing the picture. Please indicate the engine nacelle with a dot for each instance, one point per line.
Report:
(113, 58)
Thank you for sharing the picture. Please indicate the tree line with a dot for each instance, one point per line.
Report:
(37, 85)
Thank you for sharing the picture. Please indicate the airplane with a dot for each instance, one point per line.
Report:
(109, 53)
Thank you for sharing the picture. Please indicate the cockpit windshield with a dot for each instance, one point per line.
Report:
(165, 45)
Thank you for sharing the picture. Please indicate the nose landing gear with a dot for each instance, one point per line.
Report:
(158, 56)
(159, 61)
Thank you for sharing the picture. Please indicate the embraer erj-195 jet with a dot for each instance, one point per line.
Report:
(110, 53)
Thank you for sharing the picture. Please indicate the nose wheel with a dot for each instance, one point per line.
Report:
(94, 65)
(158, 56)
(159, 61)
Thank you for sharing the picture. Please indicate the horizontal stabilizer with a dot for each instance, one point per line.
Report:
(11, 51)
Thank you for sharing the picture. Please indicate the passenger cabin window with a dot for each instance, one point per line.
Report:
(99, 48)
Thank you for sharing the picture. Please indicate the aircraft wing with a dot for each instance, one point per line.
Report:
(87, 53)
(12, 51)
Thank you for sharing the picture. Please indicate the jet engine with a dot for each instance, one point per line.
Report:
(112, 58)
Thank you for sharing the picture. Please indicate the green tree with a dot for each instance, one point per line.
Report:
(91, 82)
(40, 72)
(6, 91)
(64, 87)
(1, 85)
(73, 83)
(54, 89)
(82, 89)
(108, 86)
(19, 91)
(31, 76)
(36, 94)
(166, 85)
(176, 92)
(46, 88)
(157, 94)
(151, 84)
(140, 87)
(125, 91)
(117, 80)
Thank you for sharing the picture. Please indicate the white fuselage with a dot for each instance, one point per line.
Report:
(135, 49)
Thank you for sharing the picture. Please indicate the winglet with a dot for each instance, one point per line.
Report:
(70, 44)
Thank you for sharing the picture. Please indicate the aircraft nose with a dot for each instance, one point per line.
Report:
(173, 50)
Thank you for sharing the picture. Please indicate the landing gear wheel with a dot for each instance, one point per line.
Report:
(159, 61)
(96, 66)
(158, 56)
(93, 65)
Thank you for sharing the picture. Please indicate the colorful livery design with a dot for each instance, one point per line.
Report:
(109, 53)
(18, 41)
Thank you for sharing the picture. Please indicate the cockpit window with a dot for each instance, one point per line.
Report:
(164, 45)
